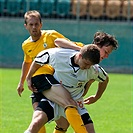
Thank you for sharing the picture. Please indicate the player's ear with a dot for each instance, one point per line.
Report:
(40, 25)
(25, 26)
(80, 55)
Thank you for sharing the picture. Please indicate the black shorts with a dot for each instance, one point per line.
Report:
(47, 108)
(86, 118)
(36, 97)
(43, 82)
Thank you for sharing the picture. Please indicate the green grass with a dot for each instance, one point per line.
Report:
(111, 114)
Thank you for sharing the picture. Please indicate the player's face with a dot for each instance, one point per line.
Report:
(84, 64)
(105, 51)
(33, 26)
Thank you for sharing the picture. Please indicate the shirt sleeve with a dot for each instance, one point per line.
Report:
(42, 58)
(79, 44)
(54, 35)
(101, 74)
(27, 58)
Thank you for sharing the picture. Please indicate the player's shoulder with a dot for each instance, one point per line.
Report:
(65, 50)
(27, 41)
(52, 33)
(50, 50)
(59, 51)
(48, 31)
(99, 69)
(98, 73)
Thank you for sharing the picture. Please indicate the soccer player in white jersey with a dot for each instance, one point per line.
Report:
(107, 43)
(71, 68)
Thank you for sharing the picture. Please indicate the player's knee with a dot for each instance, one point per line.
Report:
(62, 122)
(72, 102)
(69, 102)
(36, 123)
(70, 106)
(37, 119)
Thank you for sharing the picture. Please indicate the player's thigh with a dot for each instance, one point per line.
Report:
(52, 90)
(59, 95)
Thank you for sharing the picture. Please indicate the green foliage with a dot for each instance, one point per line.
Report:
(111, 114)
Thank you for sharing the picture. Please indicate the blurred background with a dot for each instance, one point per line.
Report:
(78, 20)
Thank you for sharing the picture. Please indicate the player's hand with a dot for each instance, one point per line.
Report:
(20, 89)
(90, 100)
(30, 86)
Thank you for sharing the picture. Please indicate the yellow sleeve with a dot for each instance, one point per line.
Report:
(27, 58)
(79, 44)
(54, 35)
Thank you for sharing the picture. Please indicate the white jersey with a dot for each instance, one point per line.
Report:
(71, 76)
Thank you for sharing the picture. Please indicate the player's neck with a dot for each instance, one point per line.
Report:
(76, 59)
(35, 38)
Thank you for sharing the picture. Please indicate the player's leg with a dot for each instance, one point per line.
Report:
(90, 128)
(35, 100)
(88, 123)
(42, 130)
(38, 120)
(43, 113)
(61, 125)
(61, 96)
(85, 116)
(37, 116)
(52, 90)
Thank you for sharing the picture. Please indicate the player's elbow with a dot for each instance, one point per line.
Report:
(59, 42)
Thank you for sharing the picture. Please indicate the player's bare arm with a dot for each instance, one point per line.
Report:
(25, 69)
(34, 67)
(61, 42)
(87, 86)
(101, 88)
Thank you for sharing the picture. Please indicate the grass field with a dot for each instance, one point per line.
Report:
(111, 114)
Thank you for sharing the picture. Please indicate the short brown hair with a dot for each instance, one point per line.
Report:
(104, 39)
(91, 52)
(32, 13)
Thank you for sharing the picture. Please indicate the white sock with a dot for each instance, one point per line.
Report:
(27, 131)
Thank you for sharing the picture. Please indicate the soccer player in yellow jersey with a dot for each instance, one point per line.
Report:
(38, 41)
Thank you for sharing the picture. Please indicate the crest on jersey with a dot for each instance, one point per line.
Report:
(45, 45)
(80, 84)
